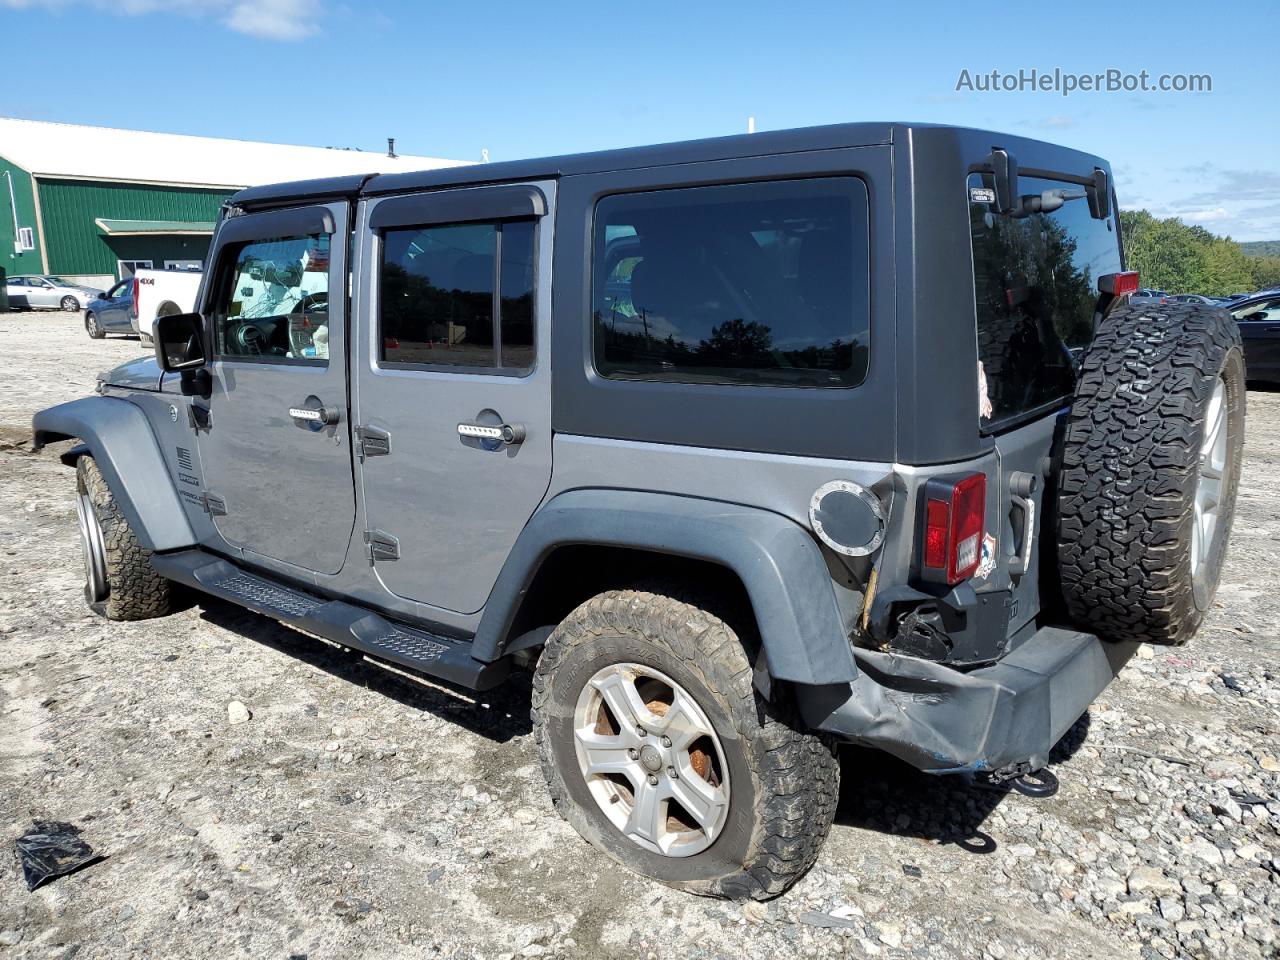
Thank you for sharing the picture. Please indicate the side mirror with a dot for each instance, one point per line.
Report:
(179, 342)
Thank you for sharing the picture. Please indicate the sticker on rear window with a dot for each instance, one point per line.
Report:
(982, 195)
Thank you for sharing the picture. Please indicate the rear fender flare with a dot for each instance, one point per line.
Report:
(776, 559)
(119, 438)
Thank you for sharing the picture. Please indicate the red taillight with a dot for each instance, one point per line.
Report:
(935, 534)
(955, 520)
(133, 298)
(1119, 284)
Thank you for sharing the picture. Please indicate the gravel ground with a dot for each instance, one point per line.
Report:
(359, 813)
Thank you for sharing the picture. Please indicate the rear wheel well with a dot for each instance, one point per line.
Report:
(574, 574)
(168, 309)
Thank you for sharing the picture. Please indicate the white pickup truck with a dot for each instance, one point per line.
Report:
(162, 293)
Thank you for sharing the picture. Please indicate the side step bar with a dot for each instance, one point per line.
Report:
(343, 623)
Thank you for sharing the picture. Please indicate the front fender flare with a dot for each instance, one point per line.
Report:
(116, 433)
(777, 560)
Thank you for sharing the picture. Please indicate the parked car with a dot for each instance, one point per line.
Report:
(1147, 294)
(32, 292)
(1193, 298)
(112, 312)
(1259, 319)
(792, 501)
(162, 293)
(133, 304)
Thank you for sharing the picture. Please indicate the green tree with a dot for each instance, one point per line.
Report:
(1170, 255)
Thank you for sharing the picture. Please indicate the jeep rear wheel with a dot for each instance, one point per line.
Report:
(1151, 464)
(657, 749)
(120, 583)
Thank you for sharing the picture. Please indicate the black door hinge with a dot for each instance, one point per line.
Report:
(214, 506)
(198, 417)
(380, 545)
(372, 442)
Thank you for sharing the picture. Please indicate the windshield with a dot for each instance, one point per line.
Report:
(1036, 291)
(60, 281)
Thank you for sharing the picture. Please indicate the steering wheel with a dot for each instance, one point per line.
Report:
(251, 339)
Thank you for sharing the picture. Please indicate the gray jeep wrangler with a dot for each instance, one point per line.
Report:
(747, 446)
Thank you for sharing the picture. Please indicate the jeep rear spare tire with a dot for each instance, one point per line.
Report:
(659, 751)
(1150, 468)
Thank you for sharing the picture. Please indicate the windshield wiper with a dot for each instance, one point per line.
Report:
(1047, 201)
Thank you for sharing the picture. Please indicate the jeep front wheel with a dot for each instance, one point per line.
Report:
(120, 583)
(658, 750)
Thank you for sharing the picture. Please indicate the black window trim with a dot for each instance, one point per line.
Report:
(596, 372)
(519, 373)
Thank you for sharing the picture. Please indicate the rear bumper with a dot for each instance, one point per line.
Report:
(944, 721)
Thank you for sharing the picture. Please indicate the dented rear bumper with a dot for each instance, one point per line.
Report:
(944, 721)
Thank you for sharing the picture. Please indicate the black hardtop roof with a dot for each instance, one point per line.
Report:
(830, 137)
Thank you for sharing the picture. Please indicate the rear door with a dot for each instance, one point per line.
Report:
(454, 321)
(1036, 290)
(276, 449)
(19, 292)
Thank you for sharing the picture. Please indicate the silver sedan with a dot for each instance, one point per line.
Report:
(42, 292)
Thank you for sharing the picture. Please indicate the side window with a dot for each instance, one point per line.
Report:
(1265, 311)
(459, 295)
(760, 283)
(274, 305)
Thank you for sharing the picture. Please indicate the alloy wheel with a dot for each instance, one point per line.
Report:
(651, 760)
(95, 552)
(1211, 481)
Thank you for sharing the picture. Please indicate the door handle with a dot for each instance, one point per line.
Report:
(1022, 486)
(508, 433)
(320, 414)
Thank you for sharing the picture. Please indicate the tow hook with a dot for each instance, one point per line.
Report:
(1038, 784)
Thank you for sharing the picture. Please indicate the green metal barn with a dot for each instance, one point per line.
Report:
(94, 203)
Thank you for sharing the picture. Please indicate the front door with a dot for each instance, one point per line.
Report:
(1260, 329)
(41, 293)
(454, 348)
(114, 314)
(277, 450)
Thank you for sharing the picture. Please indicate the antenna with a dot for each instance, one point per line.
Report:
(751, 124)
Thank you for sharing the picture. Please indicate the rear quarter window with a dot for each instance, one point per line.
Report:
(1036, 293)
(759, 283)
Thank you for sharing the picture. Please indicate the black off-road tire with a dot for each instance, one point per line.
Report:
(134, 591)
(784, 781)
(1130, 465)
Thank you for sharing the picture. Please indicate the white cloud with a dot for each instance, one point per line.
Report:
(1205, 216)
(267, 19)
(275, 19)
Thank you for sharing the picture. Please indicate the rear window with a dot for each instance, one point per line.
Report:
(1036, 285)
(755, 283)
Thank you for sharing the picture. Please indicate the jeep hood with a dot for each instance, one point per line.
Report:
(140, 374)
